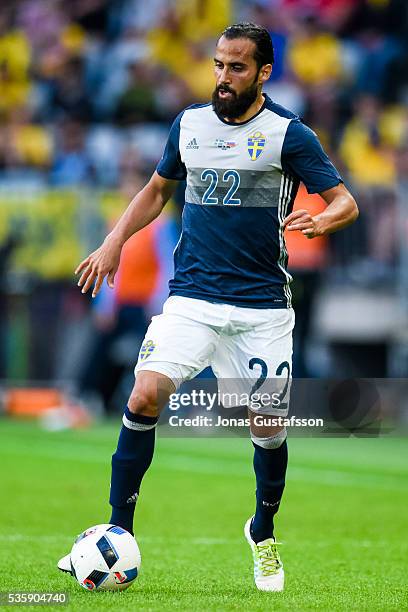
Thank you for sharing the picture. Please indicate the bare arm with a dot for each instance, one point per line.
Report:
(341, 211)
(142, 210)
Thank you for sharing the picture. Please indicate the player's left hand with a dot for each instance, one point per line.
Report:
(302, 220)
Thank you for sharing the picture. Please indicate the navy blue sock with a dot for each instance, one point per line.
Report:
(270, 469)
(130, 462)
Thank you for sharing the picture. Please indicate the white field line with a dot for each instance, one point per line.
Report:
(190, 464)
(66, 540)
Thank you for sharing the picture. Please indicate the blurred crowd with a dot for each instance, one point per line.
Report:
(88, 89)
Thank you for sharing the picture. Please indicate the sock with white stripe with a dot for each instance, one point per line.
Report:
(270, 469)
(130, 462)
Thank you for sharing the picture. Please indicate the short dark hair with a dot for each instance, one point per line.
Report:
(264, 53)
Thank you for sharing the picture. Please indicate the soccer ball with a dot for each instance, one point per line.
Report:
(105, 558)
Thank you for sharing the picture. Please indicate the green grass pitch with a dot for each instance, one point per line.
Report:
(343, 521)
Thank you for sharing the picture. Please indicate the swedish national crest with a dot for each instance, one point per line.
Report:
(147, 349)
(256, 144)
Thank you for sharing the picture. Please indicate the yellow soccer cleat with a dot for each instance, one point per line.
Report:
(268, 568)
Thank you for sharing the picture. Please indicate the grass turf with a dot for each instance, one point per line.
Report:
(342, 521)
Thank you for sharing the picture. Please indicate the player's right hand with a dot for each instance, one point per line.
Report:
(103, 262)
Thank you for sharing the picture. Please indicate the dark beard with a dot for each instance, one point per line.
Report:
(237, 105)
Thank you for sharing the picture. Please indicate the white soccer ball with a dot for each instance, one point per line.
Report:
(105, 558)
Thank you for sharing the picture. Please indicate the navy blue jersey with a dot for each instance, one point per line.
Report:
(242, 180)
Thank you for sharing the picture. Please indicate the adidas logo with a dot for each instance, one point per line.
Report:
(192, 144)
(132, 499)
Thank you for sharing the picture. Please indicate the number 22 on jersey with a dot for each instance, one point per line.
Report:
(231, 177)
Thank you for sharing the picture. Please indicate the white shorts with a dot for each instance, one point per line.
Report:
(248, 349)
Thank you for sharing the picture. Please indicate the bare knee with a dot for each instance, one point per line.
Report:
(144, 401)
(150, 393)
(262, 425)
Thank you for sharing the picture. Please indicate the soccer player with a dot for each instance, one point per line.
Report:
(243, 157)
